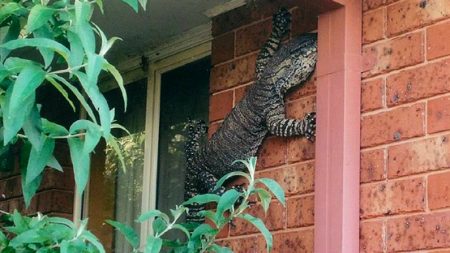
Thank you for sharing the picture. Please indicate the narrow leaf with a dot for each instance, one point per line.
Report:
(111, 69)
(38, 160)
(230, 175)
(227, 200)
(261, 227)
(265, 197)
(28, 189)
(38, 42)
(39, 15)
(275, 188)
(202, 199)
(153, 245)
(25, 86)
(152, 214)
(133, 4)
(61, 90)
(81, 162)
(127, 231)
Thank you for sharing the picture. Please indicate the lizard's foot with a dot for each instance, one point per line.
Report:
(309, 126)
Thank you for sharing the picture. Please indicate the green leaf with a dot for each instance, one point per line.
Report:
(32, 128)
(203, 229)
(111, 69)
(275, 188)
(94, 241)
(261, 227)
(265, 198)
(39, 15)
(153, 245)
(59, 220)
(100, 5)
(27, 237)
(13, 120)
(25, 86)
(53, 163)
(152, 214)
(230, 175)
(16, 65)
(127, 231)
(79, 96)
(227, 201)
(219, 249)
(12, 34)
(92, 134)
(61, 90)
(133, 3)
(159, 225)
(143, 4)
(53, 129)
(47, 54)
(28, 189)
(40, 43)
(76, 49)
(38, 160)
(202, 199)
(8, 9)
(81, 163)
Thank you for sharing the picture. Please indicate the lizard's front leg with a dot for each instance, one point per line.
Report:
(279, 125)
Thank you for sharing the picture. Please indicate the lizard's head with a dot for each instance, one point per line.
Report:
(294, 63)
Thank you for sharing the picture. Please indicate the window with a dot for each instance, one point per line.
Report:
(177, 88)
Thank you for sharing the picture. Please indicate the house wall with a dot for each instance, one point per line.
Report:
(238, 36)
(55, 195)
(405, 123)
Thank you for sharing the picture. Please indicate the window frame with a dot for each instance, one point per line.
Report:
(156, 70)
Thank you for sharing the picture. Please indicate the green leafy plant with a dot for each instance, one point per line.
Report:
(42, 234)
(72, 53)
(230, 206)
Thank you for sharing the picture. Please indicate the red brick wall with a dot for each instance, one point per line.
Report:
(405, 123)
(238, 35)
(55, 195)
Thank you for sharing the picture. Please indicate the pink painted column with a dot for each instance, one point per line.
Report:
(338, 130)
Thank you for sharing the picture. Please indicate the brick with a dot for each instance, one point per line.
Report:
(297, 109)
(54, 179)
(4, 205)
(62, 154)
(407, 15)
(272, 152)
(62, 202)
(300, 212)
(294, 242)
(303, 20)
(233, 19)
(222, 48)
(13, 187)
(405, 196)
(274, 219)
(294, 179)
(420, 156)
(438, 114)
(213, 127)
(418, 232)
(371, 238)
(372, 94)
(300, 149)
(373, 200)
(393, 54)
(421, 82)
(239, 93)
(252, 38)
(437, 38)
(220, 105)
(439, 190)
(372, 4)
(394, 125)
(372, 165)
(373, 25)
(231, 74)
(246, 244)
(307, 89)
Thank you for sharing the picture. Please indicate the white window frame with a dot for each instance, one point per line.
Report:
(152, 120)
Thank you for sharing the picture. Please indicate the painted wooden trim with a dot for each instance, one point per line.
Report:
(227, 6)
(152, 121)
(338, 130)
